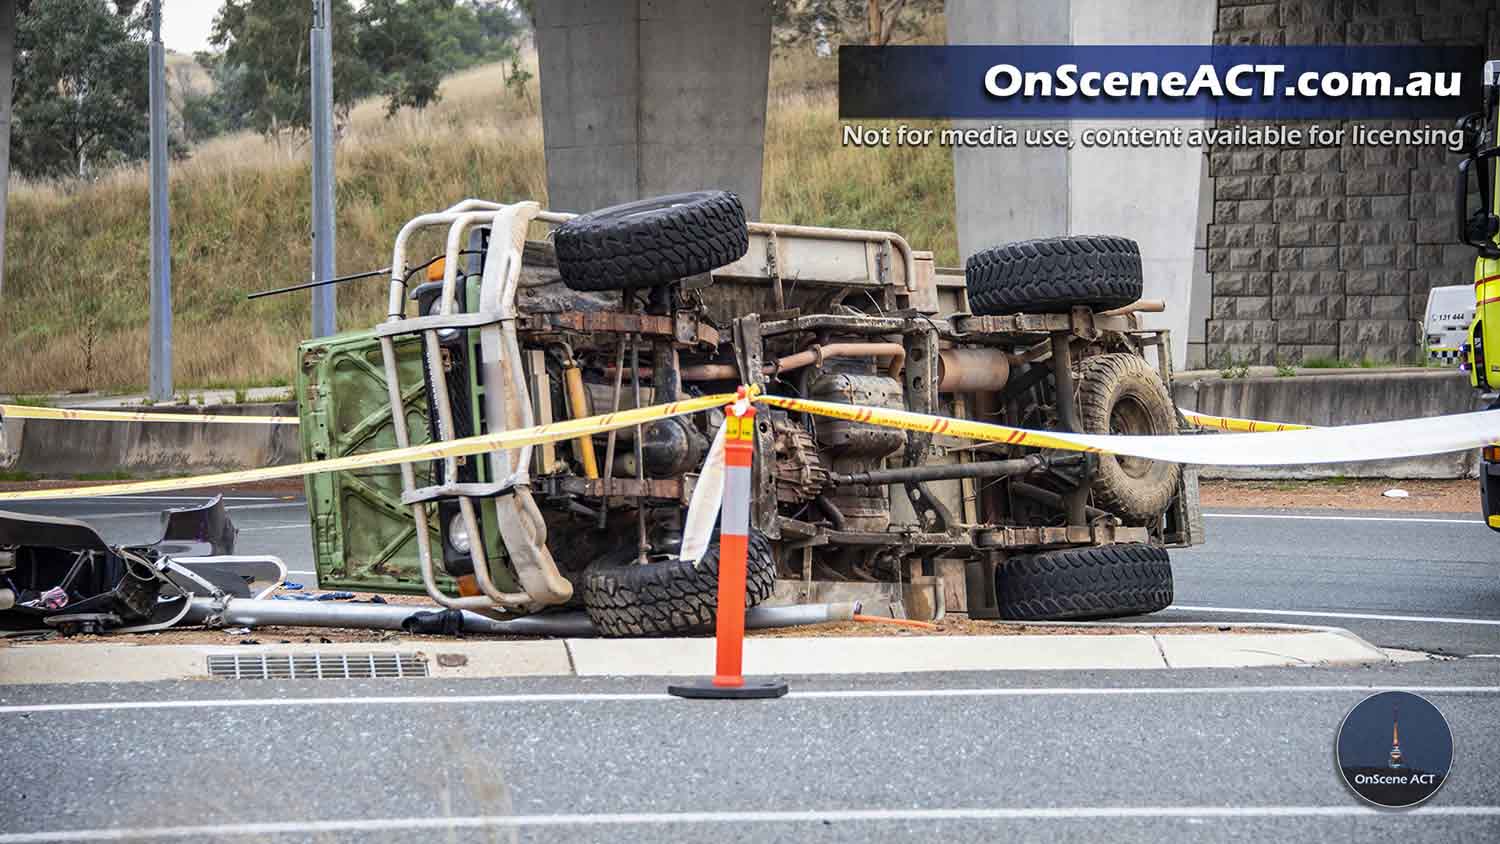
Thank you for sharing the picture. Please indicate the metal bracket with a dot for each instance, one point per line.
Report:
(920, 383)
(750, 356)
(458, 490)
(773, 249)
(414, 325)
(1084, 325)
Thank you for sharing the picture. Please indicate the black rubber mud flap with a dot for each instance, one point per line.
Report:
(1106, 581)
(651, 242)
(670, 597)
(1055, 274)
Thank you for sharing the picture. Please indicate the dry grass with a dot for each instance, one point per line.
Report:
(74, 311)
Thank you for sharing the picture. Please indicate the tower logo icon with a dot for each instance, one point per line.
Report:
(1396, 760)
(1394, 749)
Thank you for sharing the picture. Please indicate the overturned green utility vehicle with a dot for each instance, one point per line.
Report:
(678, 296)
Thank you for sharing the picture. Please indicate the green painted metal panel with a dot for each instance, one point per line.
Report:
(363, 537)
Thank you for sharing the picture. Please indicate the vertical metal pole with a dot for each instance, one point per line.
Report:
(161, 259)
(323, 298)
(7, 74)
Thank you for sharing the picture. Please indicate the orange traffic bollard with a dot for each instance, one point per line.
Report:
(734, 540)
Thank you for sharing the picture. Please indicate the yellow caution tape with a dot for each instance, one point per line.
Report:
(1328, 445)
(554, 432)
(927, 424)
(1230, 423)
(17, 411)
(1202, 420)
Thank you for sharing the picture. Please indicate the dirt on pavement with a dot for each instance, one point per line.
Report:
(1423, 496)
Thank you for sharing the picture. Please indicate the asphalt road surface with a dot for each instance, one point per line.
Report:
(1210, 755)
(1426, 582)
(1143, 756)
(1423, 582)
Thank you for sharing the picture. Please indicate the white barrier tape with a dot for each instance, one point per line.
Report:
(703, 509)
(1343, 444)
(554, 432)
(21, 411)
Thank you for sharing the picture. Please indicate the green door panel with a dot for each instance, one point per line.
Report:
(363, 537)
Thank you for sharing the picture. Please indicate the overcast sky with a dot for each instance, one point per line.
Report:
(185, 24)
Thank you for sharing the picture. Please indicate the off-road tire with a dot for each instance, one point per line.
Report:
(1081, 583)
(1054, 274)
(651, 242)
(1122, 394)
(671, 597)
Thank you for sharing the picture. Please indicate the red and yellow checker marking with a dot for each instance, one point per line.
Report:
(1487, 289)
(19, 411)
(554, 432)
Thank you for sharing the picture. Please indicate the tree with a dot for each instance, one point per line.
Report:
(8, 12)
(880, 20)
(269, 39)
(398, 41)
(410, 45)
(224, 107)
(875, 22)
(401, 49)
(80, 87)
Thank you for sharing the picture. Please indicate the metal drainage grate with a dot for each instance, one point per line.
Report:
(316, 666)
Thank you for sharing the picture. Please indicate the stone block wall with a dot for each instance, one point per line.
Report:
(1328, 252)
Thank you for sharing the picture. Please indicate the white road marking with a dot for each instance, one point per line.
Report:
(148, 514)
(190, 497)
(1423, 619)
(630, 697)
(288, 526)
(312, 828)
(1309, 517)
(203, 498)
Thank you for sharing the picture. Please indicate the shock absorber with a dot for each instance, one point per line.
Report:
(583, 447)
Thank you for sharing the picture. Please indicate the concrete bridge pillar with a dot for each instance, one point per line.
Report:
(644, 97)
(1157, 196)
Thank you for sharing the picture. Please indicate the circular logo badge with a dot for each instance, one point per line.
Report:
(1395, 749)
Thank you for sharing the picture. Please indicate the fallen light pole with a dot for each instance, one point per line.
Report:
(250, 612)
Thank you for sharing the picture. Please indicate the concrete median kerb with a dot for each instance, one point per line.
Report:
(1145, 646)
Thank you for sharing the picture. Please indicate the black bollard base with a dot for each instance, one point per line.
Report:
(704, 689)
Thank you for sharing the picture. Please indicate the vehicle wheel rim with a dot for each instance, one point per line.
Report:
(1129, 417)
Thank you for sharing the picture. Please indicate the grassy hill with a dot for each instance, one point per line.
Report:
(74, 311)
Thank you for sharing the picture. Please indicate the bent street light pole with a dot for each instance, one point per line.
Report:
(323, 298)
(161, 258)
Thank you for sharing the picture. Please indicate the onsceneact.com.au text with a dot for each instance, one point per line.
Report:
(1240, 80)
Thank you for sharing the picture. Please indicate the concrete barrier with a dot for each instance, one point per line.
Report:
(59, 448)
(1336, 397)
